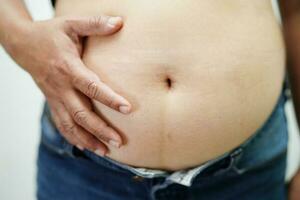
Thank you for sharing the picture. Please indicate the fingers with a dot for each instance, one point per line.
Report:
(96, 25)
(74, 133)
(90, 142)
(91, 85)
(65, 126)
(80, 108)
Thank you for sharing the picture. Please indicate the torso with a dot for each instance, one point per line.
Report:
(225, 60)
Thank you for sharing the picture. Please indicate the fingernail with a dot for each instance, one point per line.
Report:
(114, 21)
(80, 147)
(114, 143)
(99, 152)
(124, 109)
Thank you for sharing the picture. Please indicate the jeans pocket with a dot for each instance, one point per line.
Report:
(242, 168)
(223, 166)
(232, 159)
(52, 138)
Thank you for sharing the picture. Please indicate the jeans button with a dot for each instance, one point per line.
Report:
(138, 178)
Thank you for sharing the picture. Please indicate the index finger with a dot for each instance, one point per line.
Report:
(90, 84)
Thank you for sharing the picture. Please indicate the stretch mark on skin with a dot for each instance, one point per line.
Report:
(168, 82)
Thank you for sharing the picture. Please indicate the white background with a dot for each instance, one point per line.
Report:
(20, 109)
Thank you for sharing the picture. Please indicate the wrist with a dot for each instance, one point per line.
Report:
(16, 42)
(13, 33)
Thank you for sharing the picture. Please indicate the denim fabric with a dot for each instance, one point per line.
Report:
(255, 170)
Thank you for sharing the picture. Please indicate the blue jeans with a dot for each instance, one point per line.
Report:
(254, 170)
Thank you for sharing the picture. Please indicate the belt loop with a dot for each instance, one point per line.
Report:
(69, 149)
(236, 154)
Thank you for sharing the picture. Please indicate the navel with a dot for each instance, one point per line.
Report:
(169, 82)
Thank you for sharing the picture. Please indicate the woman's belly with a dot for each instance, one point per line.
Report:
(225, 61)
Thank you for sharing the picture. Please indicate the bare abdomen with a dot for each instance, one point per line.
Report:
(201, 76)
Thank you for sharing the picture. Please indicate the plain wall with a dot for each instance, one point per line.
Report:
(20, 109)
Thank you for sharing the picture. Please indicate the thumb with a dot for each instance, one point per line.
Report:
(96, 25)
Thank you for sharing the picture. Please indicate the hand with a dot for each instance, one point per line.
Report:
(51, 52)
(294, 187)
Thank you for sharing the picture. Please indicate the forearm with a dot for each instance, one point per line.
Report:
(13, 18)
(290, 10)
